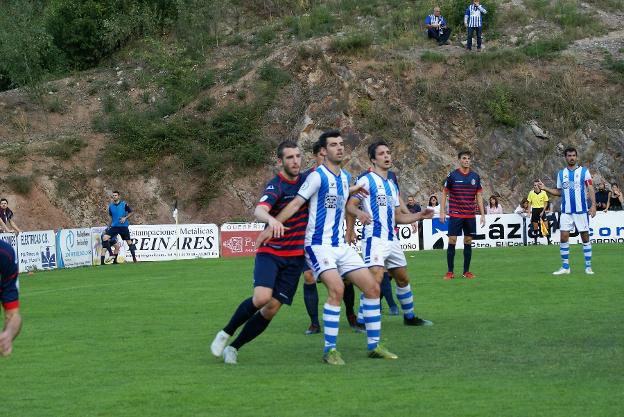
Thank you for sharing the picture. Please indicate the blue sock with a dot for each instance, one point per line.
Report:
(252, 329)
(372, 320)
(587, 251)
(404, 294)
(311, 300)
(564, 251)
(245, 310)
(386, 290)
(450, 257)
(467, 257)
(331, 317)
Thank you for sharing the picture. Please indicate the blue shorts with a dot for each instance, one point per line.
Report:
(457, 225)
(122, 231)
(281, 273)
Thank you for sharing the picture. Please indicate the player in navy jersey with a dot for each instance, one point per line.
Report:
(331, 259)
(9, 296)
(120, 212)
(462, 186)
(572, 183)
(279, 261)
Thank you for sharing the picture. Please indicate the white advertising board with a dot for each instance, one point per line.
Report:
(11, 239)
(73, 247)
(407, 237)
(36, 250)
(168, 242)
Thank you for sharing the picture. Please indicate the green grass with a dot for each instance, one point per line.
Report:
(516, 341)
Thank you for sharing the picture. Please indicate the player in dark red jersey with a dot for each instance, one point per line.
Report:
(9, 297)
(463, 186)
(279, 261)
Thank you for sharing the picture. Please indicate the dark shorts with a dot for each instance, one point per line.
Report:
(459, 226)
(536, 215)
(281, 273)
(122, 231)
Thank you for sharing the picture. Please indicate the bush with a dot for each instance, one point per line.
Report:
(319, 22)
(274, 76)
(20, 184)
(352, 43)
(501, 108)
(544, 48)
(429, 56)
(206, 104)
(66, 147)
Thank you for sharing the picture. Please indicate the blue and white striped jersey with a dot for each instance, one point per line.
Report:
(381, 202)
(473, 18)
(572, 184)
(327, 195)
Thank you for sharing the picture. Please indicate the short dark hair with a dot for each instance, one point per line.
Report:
(570, 149)
(316, 148)
(285, 144)
(4, 199)
(464, 152)
(612, 184)
(322, 140)
(115, 192)
(372, 148)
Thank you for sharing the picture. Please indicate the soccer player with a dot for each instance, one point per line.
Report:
(572, 183)
(9, 296)
(381, 211)
(120, 212)
(112, 248)
(327, 190)
(537, 199)
(462, 186)
(279, 261)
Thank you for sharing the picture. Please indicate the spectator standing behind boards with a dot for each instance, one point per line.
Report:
(602, 197)
(474, 23)
(412, 205)
(434, 205)
(616, 200)
(523, 209)
(437, 28)
(494, 207)
(6, 215)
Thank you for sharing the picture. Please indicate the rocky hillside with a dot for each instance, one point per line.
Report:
(195, 118)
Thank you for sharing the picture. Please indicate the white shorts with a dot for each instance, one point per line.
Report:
(568, 221)
(321, 258)
(380, 252)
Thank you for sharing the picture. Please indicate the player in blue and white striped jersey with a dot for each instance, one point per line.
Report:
(381, 211)
(473, 21)
(327, 190)
(574, 185)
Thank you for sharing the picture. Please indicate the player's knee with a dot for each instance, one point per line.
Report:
(106, 244)
(270, 309)
(308, 277)
(261, 300)
(452, 240)
(335, 294)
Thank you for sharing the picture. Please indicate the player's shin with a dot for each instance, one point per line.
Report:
(372, 321)
(331, 318)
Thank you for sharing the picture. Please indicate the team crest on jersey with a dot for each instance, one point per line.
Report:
(332, 185)
(270, 187)
(331, 201)
(381, 200)
(473, 182)
(304, 186)
(565, 185)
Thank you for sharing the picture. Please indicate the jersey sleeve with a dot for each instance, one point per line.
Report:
(588, 178)
(428, 20)
(128, 208)
(310, 186)
(559, 180)
(270, 195)
(8, 284)
(478, 184)
(448, 182)
(363, 181)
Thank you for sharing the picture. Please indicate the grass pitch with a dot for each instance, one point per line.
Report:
(133, 340)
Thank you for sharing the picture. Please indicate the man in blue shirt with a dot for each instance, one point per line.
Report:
(437, 28)
(474, 23)
(120, 212)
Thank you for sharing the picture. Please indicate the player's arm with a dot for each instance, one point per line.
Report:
(4, 226)
(480, 205)
(443, 206)
(14, 226)
(553, 191)
(592, 198)
(286, 213)
(353, 208)
(350, 235)
(403, 218)
(12, 326)
(262, 214)
(129, 213)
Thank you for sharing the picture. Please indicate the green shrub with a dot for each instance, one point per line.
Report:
(206, 104)
(20, 184)
(544, 48)
(274, 76)
(501, 108)
(54, 104)
(352, 43)
(430, 56)
(319, 22)
(66, 148)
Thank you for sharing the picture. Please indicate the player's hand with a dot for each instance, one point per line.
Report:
(592, 211)
(482, 221)
(427, 214)
(264, 236)
(122, 219)
(415, 227)
(6, 344)
(364, 217)
(277, 228)
(358, 189)
(351, 236)
(442, 217)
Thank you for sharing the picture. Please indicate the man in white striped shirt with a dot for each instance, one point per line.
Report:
(574, 185)
(380, 213)
(474, 23)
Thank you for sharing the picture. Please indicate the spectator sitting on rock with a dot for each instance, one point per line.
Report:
(524, 209)
(412, 205)
(616, 200)
(437, 28)
(494, 207)
(602, 197)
